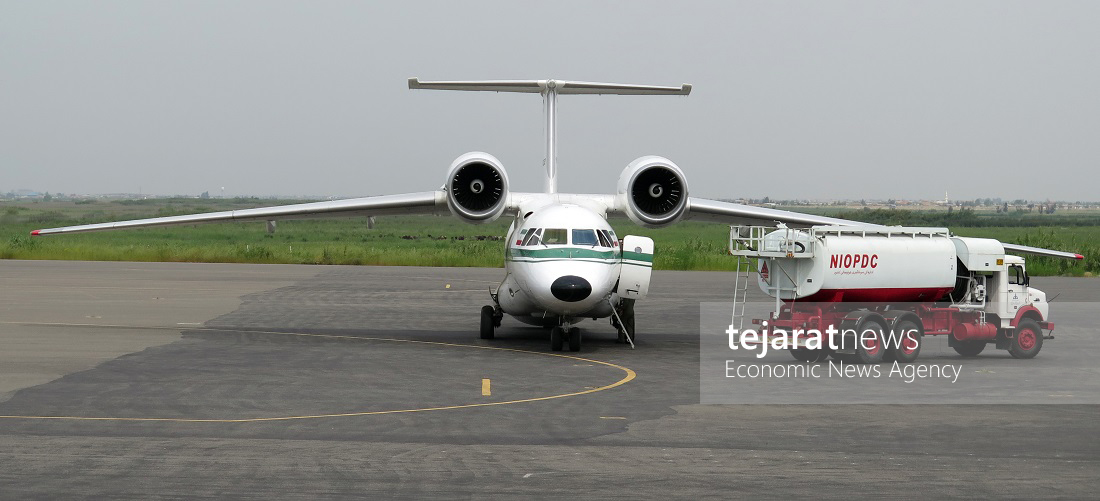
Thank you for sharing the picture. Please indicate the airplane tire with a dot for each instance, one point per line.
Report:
(555, 338)
(574, 339)
(628, 317)
(487, 323)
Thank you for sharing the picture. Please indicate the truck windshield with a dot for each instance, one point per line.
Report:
(584, 237)
(1016, 275)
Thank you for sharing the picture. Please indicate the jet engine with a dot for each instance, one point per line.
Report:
(477, 187)
(653, 191)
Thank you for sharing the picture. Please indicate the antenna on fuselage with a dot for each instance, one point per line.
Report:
(550, 89)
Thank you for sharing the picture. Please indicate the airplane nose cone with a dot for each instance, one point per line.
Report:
(570, 288)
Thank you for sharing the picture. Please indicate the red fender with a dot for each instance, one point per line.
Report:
(1020, 314)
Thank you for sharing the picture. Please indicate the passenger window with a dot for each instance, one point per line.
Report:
(584, 237)
(532, 237)
(604, 241)
(555, 236)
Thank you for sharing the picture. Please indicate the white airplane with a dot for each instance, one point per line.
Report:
(564, 263)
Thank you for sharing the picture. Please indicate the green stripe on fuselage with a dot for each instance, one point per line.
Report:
(562, 253)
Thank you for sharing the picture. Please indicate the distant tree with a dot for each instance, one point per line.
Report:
(1006, 207)
(205, 195)
(47, 197)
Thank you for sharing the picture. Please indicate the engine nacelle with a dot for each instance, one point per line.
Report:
(477, 187)
(653, 191)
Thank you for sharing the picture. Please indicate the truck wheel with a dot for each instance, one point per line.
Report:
(1027, 340)
(808, 355)
(908, 346)
(870, 342)
(802, 354)
(969, 348)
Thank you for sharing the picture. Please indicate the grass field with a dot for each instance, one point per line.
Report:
(404, 241)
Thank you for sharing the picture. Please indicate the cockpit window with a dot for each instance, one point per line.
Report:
(532, 237)
(555, 236)
(610, 234)
(584, 237)
(604, 241)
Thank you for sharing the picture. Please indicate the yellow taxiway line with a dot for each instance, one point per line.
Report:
(629, 375)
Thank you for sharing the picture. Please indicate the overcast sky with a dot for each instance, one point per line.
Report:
(791, 100)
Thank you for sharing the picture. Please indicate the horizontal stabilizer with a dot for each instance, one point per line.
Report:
(559, 86)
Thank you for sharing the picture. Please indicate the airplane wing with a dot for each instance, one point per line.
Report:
(701, 209)
(1037, 251)
(429, 202)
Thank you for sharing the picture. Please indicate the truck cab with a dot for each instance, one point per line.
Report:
(1011, 297)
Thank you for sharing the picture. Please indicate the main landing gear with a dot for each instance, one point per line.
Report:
(622, 319)
(490, 320)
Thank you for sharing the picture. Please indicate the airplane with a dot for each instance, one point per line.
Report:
(564, 263)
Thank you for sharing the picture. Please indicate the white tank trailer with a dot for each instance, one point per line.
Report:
(921, 279)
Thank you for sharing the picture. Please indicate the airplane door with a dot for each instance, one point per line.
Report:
(637, 266)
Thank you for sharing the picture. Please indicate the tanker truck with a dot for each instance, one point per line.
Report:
(871, 294)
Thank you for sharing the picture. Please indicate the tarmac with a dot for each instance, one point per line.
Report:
(182, 380)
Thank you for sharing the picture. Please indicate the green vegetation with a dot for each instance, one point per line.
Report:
(442, 241)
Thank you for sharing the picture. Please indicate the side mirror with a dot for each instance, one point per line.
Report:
(1027, 279)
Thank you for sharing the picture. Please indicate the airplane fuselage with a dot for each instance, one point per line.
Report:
(562, 263)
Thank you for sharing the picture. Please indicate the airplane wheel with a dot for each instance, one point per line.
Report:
(555, 339)
(628, 317)
(574, 339)
(487, 322)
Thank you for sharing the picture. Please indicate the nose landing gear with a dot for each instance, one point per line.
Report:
(565, 333)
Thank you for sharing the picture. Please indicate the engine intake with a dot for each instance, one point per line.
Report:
(477, 187)
(653, 191)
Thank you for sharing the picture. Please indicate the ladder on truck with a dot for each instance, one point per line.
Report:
(747, 243)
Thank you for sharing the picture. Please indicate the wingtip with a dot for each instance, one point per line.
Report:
(1079, 257)
(35, 233)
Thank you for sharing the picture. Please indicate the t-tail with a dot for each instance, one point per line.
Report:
(550, 89)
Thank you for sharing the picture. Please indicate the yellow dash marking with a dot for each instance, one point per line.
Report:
(612, 417)
(485, 388)
(448, 286)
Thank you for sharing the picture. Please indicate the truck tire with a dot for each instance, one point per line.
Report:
(969, 348)
(870, 348)
(908, 349)
(1027, 340)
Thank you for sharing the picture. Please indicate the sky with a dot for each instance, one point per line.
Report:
(816, 100)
